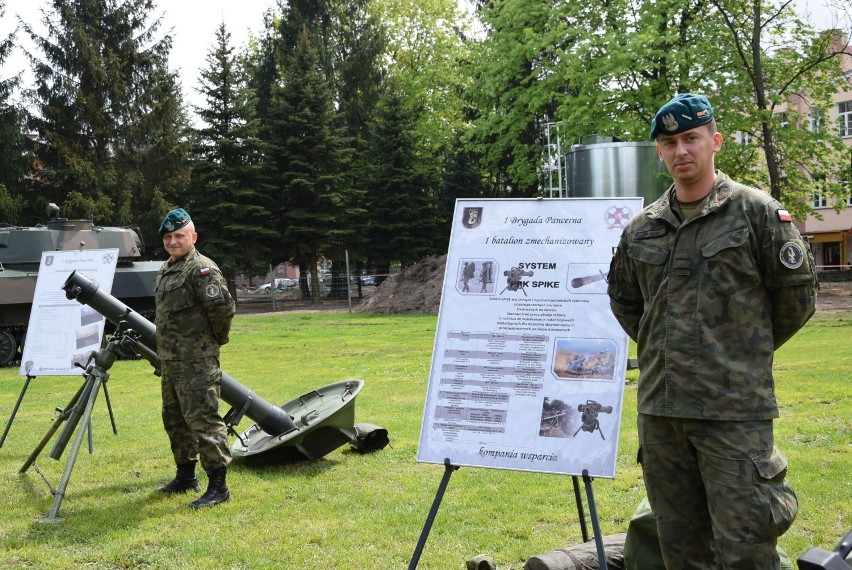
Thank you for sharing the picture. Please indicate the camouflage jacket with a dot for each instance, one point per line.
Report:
(709, 300)
(194, 308)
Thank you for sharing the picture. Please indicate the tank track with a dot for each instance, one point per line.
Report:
(19, 331)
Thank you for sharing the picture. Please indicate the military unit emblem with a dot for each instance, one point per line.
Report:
(212, 290)
(617, 217)
(669, 122)
(471, 217)
(792, 256)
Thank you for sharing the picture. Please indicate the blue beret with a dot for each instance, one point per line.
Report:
(175, 219)
(686, 111)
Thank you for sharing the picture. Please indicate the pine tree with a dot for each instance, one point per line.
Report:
(230, 179)
(108, 113)
(315, 201)
(13, 153)
(402, 215)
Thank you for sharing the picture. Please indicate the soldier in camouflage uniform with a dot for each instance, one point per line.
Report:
(194, 312)
(709, 280)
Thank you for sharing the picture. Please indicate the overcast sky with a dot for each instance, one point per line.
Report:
(194, 24)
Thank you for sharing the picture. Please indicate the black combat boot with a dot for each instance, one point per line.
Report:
(184, 481)
(217, 490)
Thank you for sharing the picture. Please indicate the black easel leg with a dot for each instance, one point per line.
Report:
(15, 410)
(445, 480)
(593, 513)
(581, 514)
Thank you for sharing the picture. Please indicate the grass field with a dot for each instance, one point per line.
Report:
(354, 511)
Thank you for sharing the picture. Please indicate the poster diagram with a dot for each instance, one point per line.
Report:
(61, 331)
(528, 365)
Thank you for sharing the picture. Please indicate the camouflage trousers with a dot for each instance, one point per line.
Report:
(191, 412)
(718, 490)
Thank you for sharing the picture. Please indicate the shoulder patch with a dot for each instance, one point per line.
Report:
(204, 271)
(784, 216)
(792, 256)
(212, 290)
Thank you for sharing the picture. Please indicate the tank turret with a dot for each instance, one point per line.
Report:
(20, 254)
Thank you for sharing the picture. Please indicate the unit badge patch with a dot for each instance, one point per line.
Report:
(792, 256)
(212, 290)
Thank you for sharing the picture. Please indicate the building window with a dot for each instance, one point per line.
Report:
(743, 137)
(844, 119)
(783, 122)
(816, 120)
(819, 200)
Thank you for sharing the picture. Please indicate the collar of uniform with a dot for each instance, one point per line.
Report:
(719, 195)
(661, 209)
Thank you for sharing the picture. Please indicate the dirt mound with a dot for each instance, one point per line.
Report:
(416, 289)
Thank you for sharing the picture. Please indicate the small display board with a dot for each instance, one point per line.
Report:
(529, 362)
(62, 332)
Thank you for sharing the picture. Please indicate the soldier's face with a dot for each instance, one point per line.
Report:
(688, 156)
(180, 242)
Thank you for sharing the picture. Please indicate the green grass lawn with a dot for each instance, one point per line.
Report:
(354, 511)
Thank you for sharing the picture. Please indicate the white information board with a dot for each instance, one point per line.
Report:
(529, 362)
(62, 331)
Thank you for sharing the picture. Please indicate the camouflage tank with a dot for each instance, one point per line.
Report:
(20, 255)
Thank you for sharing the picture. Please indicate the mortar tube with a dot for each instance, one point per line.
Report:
(271, 419)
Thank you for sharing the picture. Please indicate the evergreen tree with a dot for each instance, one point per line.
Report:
(14, 162)
(314, 198)
(402, 217)
(108, 113)
(230, 180)
(462, 178)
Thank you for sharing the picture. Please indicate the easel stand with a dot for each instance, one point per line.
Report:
(15, 409)
(78, 409)
(445, 480)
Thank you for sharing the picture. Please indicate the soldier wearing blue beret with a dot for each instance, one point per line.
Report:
(193, 319)
(709, 280)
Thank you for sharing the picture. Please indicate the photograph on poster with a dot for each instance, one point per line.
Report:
(587, 278)
(89, 316)
(88, 335)
(515, 280)
(590, 412)
(476, 276)
(556, 418)
(585, 358)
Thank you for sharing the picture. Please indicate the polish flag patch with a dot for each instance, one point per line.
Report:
(206, 270)
(784, 216)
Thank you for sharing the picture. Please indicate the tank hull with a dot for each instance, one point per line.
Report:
(21, 250)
